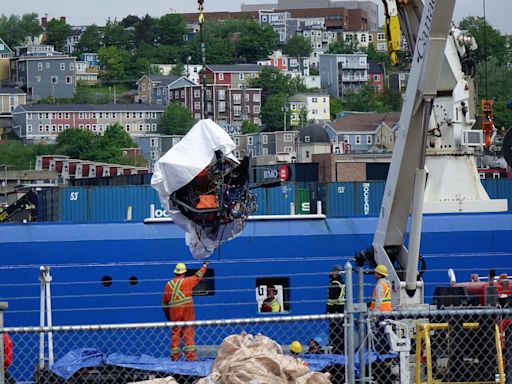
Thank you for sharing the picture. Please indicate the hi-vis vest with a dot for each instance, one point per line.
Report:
(385, 305)
(340, 300)
(178, 297)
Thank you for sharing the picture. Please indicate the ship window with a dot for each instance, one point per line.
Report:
(206, 286)
(281, 285)
(133, 280)
(106, 281)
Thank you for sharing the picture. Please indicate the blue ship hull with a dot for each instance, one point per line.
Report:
(139, 258)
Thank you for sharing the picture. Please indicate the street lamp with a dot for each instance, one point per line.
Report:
(6, 166)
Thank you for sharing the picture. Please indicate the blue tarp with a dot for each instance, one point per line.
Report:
(74, 360)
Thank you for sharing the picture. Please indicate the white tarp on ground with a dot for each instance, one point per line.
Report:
(245, 358)
(179, 166)
(165, 380)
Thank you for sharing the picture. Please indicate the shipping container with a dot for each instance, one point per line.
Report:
(340, 200)
(293, 172)
(369, 196)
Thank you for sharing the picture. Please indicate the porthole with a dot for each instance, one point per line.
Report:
(133, 280)
(106, 281)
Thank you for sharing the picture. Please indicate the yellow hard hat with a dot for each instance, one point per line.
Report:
(180, 268)
(382, 270)
(296, 347)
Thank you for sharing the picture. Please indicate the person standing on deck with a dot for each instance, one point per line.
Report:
(177, 305)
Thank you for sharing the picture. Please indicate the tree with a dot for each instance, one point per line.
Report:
(112, 63)
(179, 69)
(57, 31)
(272, 82)
(298, 46)
(90, 40)
(176, 120)
(130, 21)
(115, 34)
(171, 28)
(345, 46)
(274, 113)
(254, 41)
(146, 31)
(14, 29)
(76, 143)
(336, 106)
(490, 41)
(249, 127)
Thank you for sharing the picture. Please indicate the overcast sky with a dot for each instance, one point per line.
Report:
(97, 11)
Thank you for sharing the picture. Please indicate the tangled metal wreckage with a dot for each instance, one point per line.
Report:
(205, 188)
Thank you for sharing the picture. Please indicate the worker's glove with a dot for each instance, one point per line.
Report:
(205, 263)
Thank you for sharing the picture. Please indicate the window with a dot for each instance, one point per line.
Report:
(346, 139)
(358, 139)
(241, 76)
(40, 66)
(94, 115)
(141, 127)
(280, 292)
(369, 140)
(237, 110)
(127, 126)
(143, 87)
(197, 105)
(264, 151)
(246, 97)
(62, 66)
(264, 139)
(153, 127)
(66, 115)
(182, 94)
(287, 138)
(71, 66)
(221, 76)
(256, 97)
(55, 80)
(29, 128)
(59, 115)
(288, 149)
(47, 65)
(38, 79)
(222, 106)
(307, 139)
(256, 109)
(237, 98)
(40, 128)
(148, 127)
(222, 94)
(381, 36)
(250, 140)
(197, 93)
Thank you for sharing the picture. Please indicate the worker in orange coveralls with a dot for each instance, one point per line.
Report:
(177, 305)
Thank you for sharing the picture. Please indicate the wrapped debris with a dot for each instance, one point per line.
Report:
(245, 358)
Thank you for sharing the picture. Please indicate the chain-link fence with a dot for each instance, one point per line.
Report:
(428, 346)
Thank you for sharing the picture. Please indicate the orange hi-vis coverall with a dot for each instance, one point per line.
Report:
(381, 297)
(178, 306)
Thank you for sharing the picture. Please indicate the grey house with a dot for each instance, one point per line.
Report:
(342, 73)
(44, 76)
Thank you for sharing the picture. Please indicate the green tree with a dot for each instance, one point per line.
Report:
(108, 147)
(14, 29)
(57, 31)
(298, 46)
(346, 47)
(130, 21)
(171, 28)
(249, 127)
(90, 40)
(336, 106)
(115, 34)
(76, 143)
(272, 82)
(179, 69)
(254, 41)
(490, 41)
(274, 112)
(176, 120)
(146, 31)
(112, 61)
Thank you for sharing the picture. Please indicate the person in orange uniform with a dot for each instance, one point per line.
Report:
(381, 297)
(178, 305)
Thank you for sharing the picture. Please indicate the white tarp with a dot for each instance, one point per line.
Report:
(179, 166)
(189, 157)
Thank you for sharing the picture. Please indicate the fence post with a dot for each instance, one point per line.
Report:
(360, 325)
(3, 307)
(349, 325)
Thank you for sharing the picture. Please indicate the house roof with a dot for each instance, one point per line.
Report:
(302, 96)
(364, 122)
(11, 90)
(374, 67)
(236, 68)
(316, 133)
(91, 107)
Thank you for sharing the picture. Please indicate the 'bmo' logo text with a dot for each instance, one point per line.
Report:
(366, 198)
(270, 174)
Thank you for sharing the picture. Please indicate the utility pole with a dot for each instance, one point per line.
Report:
(6, 166)
(203, 57)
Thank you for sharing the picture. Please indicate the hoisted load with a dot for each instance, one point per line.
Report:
(205, 188)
